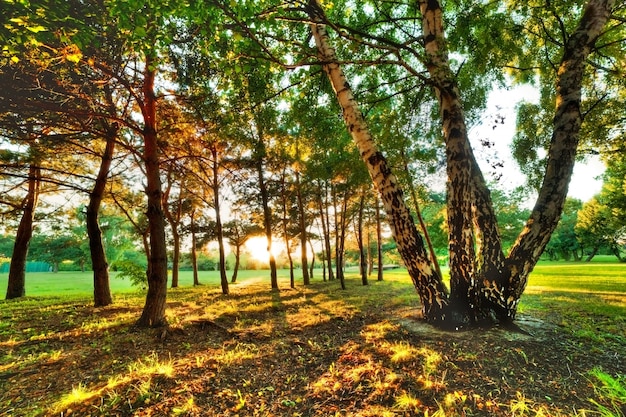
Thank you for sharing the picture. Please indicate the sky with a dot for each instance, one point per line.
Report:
(585, 181)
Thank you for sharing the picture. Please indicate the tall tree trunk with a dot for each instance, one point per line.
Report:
(194, 249)
(563, 145)
(16, 287)
(153, 314)
(173, 220)
(303, 233)
(101, 288)
(285, 202)
(379, 242)
(267, 211)
(359, 239)
(325, 221)
(433, 293)
(418, 212)
(219, 231)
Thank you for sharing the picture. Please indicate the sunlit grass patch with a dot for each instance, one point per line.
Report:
(77, 396)
(237, 353)
(407, 402)
(378, 331)
(151, 365)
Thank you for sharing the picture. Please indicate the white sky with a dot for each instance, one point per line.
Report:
(585, 181)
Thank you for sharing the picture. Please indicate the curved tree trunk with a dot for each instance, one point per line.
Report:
(306, 279)
(153, 314)
(101, 288)
(16, 287)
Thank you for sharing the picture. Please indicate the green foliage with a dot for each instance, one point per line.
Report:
(132, 271)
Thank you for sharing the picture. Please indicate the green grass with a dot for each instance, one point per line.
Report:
(604, 275)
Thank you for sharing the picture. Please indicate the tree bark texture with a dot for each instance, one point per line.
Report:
(267, 211)
(219, 230)
(428, 283)
(101, 288)
(306, 279)
(153, 314)
(16, 287)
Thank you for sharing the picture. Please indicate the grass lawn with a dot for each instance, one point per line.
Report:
(314, 351)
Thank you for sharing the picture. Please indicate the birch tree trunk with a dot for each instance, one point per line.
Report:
(432, 292)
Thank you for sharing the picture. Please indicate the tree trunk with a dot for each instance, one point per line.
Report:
(267, 211)
(285, 202)
(379, 242)
(360, 243)
(16, 287)
(194, 249)
(101, 289)
(233, 279)
(339, 237)
(418, 213)
(303, 233)
(428, 283)
(312, 264)
(324, 220)
(219, 231)
(173, 221)
(562, 152)
(153, 314)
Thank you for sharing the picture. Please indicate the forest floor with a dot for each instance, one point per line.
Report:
(310, 351)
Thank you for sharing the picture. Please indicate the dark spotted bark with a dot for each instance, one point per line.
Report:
(486, 284)
(101, 288)
(16, 287)
(428, 283)
(562, 152)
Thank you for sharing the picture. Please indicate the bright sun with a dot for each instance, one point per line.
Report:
(257, 247)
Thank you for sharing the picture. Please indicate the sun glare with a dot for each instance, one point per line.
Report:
(257, 247)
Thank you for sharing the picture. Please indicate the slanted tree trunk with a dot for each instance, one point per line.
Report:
(562, 152)
(101, 288)
(484, 283)
(428, 283)
(16, 287)
(153, 314)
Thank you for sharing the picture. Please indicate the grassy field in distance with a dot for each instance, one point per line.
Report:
(602, 274)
